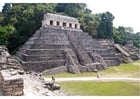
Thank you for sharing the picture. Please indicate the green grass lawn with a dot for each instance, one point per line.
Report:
(111, 88)
(90, 88)
(127, 70)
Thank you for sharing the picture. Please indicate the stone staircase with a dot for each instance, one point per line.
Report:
(111, 55)
(133, 51)
(48, 48)
(60, 45)
(45, 50)
(51, 49)
(92, 46)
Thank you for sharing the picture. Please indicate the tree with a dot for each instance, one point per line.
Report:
(1, 18)
(71, 9)
(129, 30)
(122, 34)
(105, 29)
(5, 32)
(117, 36)
(25, 18)
(136, 39)
(6, 7)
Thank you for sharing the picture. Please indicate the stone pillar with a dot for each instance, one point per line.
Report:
(67, 24)
(54, 23)
(1, 80)
(45, 22)
(73, 25)
(61, 23)
(78, 26)
(48, 22)
(3, 58)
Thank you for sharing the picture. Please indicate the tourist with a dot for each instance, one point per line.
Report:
(53, 80)
(98, 74)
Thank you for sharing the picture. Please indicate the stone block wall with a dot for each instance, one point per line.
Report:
(11, 84)
(56, 70)
(11, 81)
(60, 21)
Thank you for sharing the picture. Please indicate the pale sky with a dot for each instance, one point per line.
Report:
(126, 12)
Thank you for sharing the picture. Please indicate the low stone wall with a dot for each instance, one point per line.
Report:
(56, 70)
(11, 83)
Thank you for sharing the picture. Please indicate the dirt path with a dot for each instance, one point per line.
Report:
(137, 64)
(95, 79)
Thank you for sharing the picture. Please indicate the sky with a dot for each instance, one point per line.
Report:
(126, 12)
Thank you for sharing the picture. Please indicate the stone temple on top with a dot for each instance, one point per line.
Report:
(61, 46)
(63, 22)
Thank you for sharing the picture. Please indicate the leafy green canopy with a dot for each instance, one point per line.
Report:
(18, 22)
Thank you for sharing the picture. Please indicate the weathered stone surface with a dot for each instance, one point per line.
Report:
(132, 50)
(55, 70)
(40, 66)
(11, 85)
(60, 21)
(11, 82)
(1, 92)
(63, 44)
(71, 65)
(110, 57)
(14, 82)
(3, 55)
(123, 53)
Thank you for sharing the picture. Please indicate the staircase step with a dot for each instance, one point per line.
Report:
(40, 66)
(110, 58)
(44, 52)
(49, 46)
(107, 54)
(51, 42)
(31, 58)
(112, 62)
(53, 34)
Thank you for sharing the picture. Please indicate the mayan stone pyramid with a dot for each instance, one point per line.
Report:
(60, 45)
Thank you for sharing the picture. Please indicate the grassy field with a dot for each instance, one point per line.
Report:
(126, 70)
(111, 88)
(101, 88)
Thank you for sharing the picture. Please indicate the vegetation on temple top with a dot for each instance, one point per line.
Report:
(18, 22)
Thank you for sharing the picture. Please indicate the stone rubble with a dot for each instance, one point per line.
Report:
(35, 85)
(15, 82)
(11, 83)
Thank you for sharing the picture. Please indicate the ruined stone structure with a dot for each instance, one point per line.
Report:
(11, 82)
(60, 45)
(15, 82)
(59, 21)
(127, 53)
(132, 50)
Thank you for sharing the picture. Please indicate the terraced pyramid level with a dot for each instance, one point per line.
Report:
(60, 45)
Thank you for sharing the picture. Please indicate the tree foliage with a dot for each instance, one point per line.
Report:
(105, 29)
(136, 39)
(18, 22)
(122, 34)
(25, 19)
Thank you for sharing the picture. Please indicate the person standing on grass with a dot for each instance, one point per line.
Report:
(98, 74)
(53, 79)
